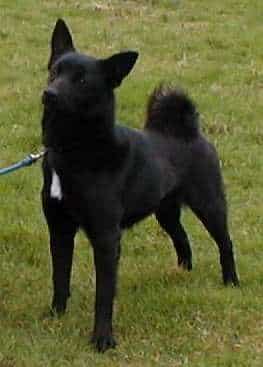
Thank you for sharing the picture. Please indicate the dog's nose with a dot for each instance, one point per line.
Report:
(50, 96)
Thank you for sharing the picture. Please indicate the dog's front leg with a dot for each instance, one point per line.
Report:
(62, 230)
(61, 247)
(106, 256)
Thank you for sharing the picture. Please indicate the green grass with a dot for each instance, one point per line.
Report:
(164, 317)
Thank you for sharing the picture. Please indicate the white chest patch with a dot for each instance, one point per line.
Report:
(55, 188)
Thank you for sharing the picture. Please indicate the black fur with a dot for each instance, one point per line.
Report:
(111, 176)
(171, 112)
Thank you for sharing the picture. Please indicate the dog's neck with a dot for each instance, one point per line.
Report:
(69, 132)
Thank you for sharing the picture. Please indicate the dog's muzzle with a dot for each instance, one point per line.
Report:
(50, 97)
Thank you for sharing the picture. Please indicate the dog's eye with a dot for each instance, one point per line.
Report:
(52, 74)
(83, 81)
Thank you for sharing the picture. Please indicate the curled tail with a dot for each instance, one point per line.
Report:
(171, 112)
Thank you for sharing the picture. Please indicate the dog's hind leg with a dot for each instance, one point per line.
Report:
(212, 213)
(168, 216)
(62, 231)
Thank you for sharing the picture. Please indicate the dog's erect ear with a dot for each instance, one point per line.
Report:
(61, 41)
(118, 67)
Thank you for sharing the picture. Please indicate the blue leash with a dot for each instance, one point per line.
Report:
(28, 161)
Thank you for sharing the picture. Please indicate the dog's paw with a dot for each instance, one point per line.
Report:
(231, 281)
(185, 263)
(57, 309)
(56, 312)
(230, 277)
(51, 313)
(103, 342)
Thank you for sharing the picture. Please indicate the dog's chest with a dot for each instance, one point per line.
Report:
(55, 187)
(77, 189)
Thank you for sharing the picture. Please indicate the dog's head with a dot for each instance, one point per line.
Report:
(78, 83)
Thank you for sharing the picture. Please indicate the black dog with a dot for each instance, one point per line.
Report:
(104, 178)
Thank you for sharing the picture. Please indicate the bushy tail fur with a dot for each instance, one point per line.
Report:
(170, 111)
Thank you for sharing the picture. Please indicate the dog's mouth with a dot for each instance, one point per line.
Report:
(53, 103)
(50, 99)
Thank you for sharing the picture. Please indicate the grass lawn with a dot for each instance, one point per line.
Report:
(164, 317)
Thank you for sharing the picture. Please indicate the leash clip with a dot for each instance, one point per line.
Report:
(35, 157)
